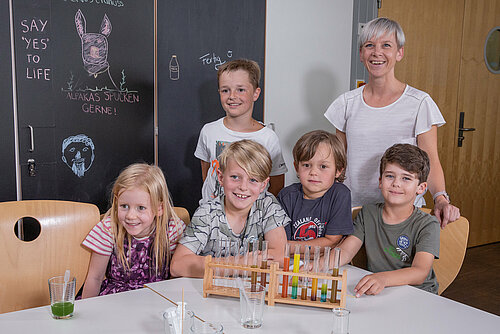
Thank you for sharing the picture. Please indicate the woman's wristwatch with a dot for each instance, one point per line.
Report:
(439, 193)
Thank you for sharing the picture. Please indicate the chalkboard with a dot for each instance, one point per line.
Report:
(8, 165)
(194, 38)
(85, 78)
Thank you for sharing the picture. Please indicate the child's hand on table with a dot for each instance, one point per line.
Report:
(371, 284)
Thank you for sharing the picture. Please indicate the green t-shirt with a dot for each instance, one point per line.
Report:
(392, 247)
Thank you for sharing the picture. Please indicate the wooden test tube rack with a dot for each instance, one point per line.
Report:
(273, 294)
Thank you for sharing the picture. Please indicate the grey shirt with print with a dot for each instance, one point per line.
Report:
(392, 247)
(209, 224)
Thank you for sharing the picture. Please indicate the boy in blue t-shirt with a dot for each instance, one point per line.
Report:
(320, 205)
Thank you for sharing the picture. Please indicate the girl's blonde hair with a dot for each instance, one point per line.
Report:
(150, 179)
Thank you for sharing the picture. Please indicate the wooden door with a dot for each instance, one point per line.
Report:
(444, 57)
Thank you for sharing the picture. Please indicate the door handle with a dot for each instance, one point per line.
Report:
(461, 129)
(32, 139)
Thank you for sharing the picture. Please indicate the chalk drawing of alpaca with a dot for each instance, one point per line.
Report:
(94, 46)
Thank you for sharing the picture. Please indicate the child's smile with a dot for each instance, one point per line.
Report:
(237, 93)
(135, 212)
(240, 189)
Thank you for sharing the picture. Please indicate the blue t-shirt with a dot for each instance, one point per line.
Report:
(329, 214)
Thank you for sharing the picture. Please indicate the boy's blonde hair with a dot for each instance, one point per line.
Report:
(305, 149)
(150, 179)
(250, 66)
(249, 155)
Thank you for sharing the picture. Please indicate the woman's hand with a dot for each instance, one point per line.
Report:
(445, 212)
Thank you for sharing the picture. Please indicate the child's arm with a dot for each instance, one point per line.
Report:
(348, 249)
(328, 240)
(414, 275)
(186, 263)
(276, 246)
(95, 276)
(276, 183)
(205, 166)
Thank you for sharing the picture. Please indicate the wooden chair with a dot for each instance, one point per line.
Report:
(452, 248)
(359, 260)
(183, 214)
(27, 266)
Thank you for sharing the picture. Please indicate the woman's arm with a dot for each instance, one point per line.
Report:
(443, 210)
(341, 135)
(95, 276)
(186, 263)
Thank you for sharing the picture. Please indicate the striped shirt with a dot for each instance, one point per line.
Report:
(100, 238)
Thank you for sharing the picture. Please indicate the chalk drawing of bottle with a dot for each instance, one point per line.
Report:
(174, 68)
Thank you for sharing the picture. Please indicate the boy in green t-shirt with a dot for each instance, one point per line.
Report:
(401, 241)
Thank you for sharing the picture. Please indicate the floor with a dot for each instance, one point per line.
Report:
(477, 283)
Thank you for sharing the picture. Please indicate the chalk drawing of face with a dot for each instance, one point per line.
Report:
(78, 153)
(94, 45)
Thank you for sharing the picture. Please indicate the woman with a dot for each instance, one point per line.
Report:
(383, 112)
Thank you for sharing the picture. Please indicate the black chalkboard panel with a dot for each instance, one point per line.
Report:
(8, 165)
(85, 78)
(195, 37)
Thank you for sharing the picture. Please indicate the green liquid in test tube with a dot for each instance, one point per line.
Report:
(296, 265)
(324, 284)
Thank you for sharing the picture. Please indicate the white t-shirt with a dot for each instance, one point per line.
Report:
(370, 131)
(215, 136)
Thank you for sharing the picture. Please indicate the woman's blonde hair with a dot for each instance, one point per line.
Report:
(249, 155)
(150, 179)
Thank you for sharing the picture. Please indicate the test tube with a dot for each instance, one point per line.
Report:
(263, 263)
(227, 271)
(326, 267)
(336, 264)
(314, 288)
(246, 250)
(305, 280)
(255, 256)
(218, 260)
(296, 265)
(236, 252)
(286, 265)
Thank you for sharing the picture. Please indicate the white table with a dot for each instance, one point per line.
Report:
(402, 310)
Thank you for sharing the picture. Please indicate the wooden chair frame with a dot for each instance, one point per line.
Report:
(27, 266)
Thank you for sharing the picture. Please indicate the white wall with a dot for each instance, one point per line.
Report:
(308, 52)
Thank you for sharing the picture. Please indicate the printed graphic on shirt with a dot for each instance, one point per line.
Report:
(397, 253)
(308, 228)
(219, 147)
(403, 242)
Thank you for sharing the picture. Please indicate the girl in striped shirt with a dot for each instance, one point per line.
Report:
(133, 243)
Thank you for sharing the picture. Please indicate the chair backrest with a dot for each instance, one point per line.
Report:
(359, 260)
(27, 266)
(452, 248)
(183, 214)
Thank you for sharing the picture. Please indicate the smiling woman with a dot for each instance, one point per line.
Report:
(384, 112)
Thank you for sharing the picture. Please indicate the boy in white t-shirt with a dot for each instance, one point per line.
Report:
(238, 90)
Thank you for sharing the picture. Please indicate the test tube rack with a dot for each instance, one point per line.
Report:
(273, 294)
